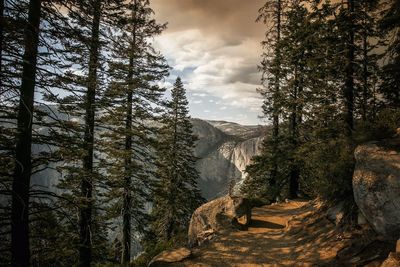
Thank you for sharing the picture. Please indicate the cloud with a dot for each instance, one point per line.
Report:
(200, 94)
(210, 68)
(231, 19)
(214, 46)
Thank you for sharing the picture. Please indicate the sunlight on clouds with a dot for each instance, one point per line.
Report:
(219, 73)
(214, 72)
(200, 94)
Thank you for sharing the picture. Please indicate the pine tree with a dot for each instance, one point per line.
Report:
(85, 219)
(132, 102)
(295, 47)
(368, 67)
(348, 89)
(315, 39)
(271, 14)
(23, 156)
(177, 195)
(14, 20)
(389, 24)
(81, 42)
(10, 78)
(2, 25)
(326, 38)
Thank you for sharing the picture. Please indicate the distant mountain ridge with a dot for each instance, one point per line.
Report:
(236, 129)
(224, 150)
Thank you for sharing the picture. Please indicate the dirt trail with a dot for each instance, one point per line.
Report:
(271, 241)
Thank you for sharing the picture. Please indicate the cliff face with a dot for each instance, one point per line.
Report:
(224, 150)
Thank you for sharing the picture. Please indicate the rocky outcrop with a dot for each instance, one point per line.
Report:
(170, 256)
(336, 213)
(218, 215)
(376, 184)
(393, 260)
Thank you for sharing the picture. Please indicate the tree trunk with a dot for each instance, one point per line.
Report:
(365, 81)
(294, 169)
(85, 220)
(23, 158)
(275, 115)
(365, 73)
(348, 91)
(2, 24)
(127, 201)
(126, 232)
(373, 103)
(294, 182)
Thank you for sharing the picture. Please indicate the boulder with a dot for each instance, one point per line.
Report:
(376, 185)
(217, 215)
(376, 263)
(392, 261)
(361, 220)
(398, 246)
(335, 214)
(170, 256)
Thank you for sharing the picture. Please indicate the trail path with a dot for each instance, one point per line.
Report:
(272, 241)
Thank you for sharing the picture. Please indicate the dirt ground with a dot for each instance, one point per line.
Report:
(287, 234)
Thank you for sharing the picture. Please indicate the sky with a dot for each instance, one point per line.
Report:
(214, 46)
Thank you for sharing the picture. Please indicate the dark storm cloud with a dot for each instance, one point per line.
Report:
(233, 19)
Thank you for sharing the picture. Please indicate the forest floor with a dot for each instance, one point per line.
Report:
(290, 234)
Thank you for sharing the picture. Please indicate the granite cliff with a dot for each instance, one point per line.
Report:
(224, 150)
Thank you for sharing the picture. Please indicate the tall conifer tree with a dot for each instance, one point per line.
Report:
(23, 156)
(132, 104)
(390, 77)
(272, 15)
(177, 195)
(80, 83)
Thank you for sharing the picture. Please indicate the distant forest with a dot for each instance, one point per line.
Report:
(81, 95)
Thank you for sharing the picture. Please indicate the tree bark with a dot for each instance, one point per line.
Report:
(85, 220)
(348, 91)
(2, 24)
(365, 78)
(127, 201)
(275, 115)
(365, 66)
(295, 119)
(23, 157)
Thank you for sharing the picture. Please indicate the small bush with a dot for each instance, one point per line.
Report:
(327, 168)
(383, 126)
